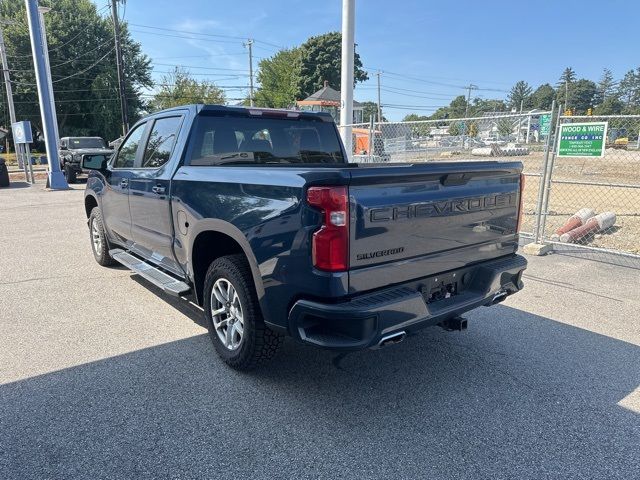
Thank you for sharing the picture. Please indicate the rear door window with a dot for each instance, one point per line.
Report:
(161, 141)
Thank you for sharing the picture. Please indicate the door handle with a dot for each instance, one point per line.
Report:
(158, 189)
(124, 183)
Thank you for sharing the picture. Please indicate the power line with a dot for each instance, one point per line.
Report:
(200, 67)
(200, 56)
(214, 35)
(82, 54)
(183, 37)
(86, 69)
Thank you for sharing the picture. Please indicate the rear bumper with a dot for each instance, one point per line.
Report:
(364, 320)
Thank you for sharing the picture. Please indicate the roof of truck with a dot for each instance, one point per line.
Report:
(199, 107)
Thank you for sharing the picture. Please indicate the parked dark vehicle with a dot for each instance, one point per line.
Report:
(71, 151)
(256, 215)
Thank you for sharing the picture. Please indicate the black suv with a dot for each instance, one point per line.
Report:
(72, 149)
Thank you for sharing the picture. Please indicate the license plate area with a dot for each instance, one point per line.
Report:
(442, 287)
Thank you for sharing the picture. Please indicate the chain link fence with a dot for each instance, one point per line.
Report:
(494, 136)
(556, 188)
(602, 194)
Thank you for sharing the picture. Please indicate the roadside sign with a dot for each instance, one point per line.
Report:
(545, 124)
(22, 132)
(582, 139)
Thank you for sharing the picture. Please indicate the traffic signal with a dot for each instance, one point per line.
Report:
(589, 111)
(568, 112)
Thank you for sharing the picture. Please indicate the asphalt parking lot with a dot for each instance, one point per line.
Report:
(102, 378)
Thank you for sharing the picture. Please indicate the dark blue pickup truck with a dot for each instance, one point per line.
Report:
(258, 217)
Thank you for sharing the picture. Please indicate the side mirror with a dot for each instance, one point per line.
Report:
(95, 162)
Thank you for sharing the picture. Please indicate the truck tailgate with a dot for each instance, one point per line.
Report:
(410, 221)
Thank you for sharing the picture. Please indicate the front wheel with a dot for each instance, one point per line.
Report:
(233, 315)
(99, 243)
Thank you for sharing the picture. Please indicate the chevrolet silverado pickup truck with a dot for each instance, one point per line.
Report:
(257, 216)
(73, 148)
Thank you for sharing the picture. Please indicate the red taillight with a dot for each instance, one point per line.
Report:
(520, 203)
(330, 245)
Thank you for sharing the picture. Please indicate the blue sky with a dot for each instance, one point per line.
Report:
(427, 50)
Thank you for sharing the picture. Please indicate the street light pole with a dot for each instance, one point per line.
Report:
(56, 178)
(45, 45)
(346, 73)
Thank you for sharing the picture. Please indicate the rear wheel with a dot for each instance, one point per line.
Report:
(99, 243)
(233, 315)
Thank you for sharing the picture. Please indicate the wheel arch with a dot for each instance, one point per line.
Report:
(90, 202)
(213, 239)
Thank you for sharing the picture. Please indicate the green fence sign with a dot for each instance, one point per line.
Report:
(545, 124)
(582, 139)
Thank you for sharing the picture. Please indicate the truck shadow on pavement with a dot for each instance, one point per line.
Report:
(516, 396)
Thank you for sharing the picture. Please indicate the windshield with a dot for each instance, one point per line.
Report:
(249, 140)
(86, 142)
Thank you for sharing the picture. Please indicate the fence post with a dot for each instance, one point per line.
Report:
(545, 202)
(371, 141)
(543, 176)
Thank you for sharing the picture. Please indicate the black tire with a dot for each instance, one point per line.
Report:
(258, 343)
(71, 174)
(99, 248)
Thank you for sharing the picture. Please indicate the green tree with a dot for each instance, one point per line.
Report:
(455, 129)
(564, 87)
(278, 77)
(179, 88)
(370, 109)
(505, 127)
(606, 87)
(519, 95)
(320, 60)
(629, 90)
(83, 68)
(414, 117)
(458, 107)
(480, 106)
(582, 95)
(611, 105)
(542, 98)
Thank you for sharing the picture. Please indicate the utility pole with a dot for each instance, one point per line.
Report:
(121, 89)
(469, 88)
(249, 45)
(12, 110)
(56, 178)
(346, 73)
(379, 104)
(466, 113)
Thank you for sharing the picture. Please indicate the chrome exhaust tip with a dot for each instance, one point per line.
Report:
(392, 339)
(499, 297)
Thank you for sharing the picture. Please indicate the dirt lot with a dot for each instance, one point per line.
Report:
(617, 167)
